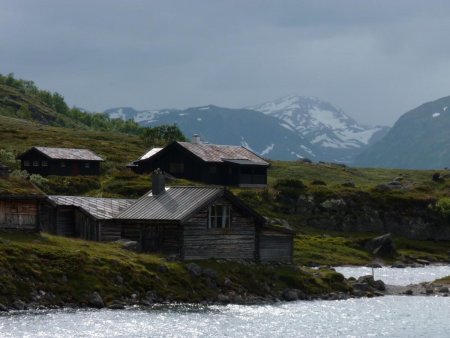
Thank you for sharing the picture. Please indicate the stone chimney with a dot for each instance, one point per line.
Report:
(158, 182)
(196, 139)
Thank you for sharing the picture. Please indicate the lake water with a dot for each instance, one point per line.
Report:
(394, 276)
(389, 316)
(392, 316)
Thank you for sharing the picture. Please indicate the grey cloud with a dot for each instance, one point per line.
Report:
(375, 59)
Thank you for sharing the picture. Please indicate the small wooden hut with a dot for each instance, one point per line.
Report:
(84, 217)
(19, 204)
(60, 161)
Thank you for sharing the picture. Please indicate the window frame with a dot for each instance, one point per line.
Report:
(26, 163)
(87, 165)
(35, 163)
(44, 163)
(219, 216)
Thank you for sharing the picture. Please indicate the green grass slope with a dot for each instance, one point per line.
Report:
(70, 270)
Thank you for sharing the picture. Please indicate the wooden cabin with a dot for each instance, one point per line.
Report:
(19, 205)
(83, 217)
(186, 222)
(203, 222)
(208, 163)
(60, 161)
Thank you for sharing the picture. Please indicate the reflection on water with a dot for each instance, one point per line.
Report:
(393, 316)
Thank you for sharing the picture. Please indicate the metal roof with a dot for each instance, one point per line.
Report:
(174, 204)
(150, 153)
(69, 154)
(101, 208)
(245, 162)
(220, 153)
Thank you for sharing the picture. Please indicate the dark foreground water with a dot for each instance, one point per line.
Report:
(394, 316)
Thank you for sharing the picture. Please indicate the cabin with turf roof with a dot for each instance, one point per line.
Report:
(19, 204)
(47, 161)
(207, 163)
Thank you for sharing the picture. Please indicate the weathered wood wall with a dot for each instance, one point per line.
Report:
(65, 221)
(236, 242)
(47, 218)
(19, 214)
(109, 231)
(275, 246)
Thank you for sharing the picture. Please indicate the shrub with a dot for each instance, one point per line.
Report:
(40, 181)
(290, 188)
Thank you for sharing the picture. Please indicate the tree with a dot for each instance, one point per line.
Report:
(162, 135)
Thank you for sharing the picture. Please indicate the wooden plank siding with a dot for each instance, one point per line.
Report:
(17, 214)
(275, 246)
(236, 242)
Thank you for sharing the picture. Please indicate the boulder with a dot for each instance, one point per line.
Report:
(19, 305)
(443, 289)
(95, 300)
(223, 298)
(381, 246)
(290, 295)
(129, 245)
(194, 269)
(116, 305)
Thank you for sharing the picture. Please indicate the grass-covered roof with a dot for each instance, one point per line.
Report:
(18, 187)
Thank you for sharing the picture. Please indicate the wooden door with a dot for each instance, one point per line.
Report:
(75, 169)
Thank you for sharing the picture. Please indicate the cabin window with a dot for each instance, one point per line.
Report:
(35, 163)
(176, 167)
(44, 163)
(63, 164)
(87, 165)
(26, 163)
(219, 216)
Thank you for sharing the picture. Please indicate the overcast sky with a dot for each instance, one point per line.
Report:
(374, 59)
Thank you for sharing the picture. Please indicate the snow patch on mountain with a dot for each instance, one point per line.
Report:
(319, 121)
(268, 149)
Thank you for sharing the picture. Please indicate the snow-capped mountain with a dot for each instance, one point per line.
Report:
(320, 122)
(289, 128)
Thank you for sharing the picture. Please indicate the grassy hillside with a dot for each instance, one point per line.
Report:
(69, 270)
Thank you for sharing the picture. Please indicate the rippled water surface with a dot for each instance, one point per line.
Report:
(396, 276)
(393, 316)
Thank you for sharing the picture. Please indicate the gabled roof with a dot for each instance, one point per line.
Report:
(100, 208)
(213, 153)
(175, 204)
(66, 154)
(150, 153)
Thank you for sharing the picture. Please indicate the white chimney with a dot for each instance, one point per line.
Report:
(196, 139)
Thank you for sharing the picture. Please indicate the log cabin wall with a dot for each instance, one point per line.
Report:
(86, 227)
(163, 237)
(275, 246)
(236, 242)
(18, 214)
(109, 231)
(65, 221)
(47, 218)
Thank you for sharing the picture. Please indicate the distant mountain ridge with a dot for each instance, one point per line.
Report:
(420, 139)
(288, 128)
